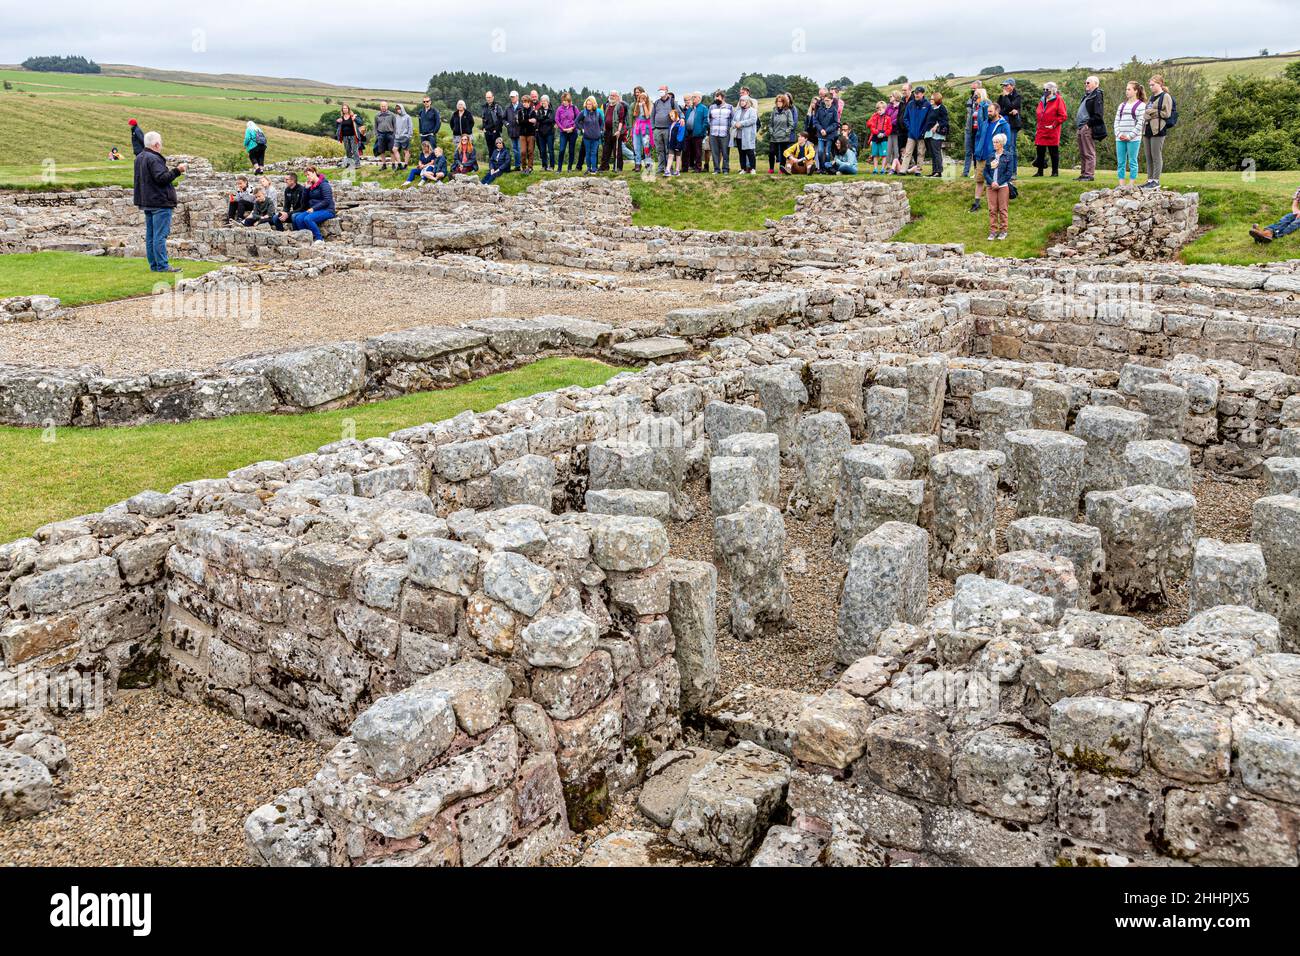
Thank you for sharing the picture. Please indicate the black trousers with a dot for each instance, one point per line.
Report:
(1041, 162)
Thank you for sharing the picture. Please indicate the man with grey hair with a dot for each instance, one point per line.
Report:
(386, 135)
(1090, 127)
(156, 197)
(512, 129)
(611, 151)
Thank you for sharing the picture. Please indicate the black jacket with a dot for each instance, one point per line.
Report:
(295, 199)
(153, 182)
(494, 118)
(1095, 104)
(1008, 102)
(522, 115)
(512, 120)
(461, 123)
(137, 140)
(545, 120)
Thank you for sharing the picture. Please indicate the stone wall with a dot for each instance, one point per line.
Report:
(1142, 224)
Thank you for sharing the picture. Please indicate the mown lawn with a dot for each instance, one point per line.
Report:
(47, 477)
(79, 279)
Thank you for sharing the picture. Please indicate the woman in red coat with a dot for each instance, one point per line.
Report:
(1052, 115)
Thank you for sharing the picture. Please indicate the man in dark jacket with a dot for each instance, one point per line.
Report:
(156, 196)
(294, 200)
(137, 137)
(1090, 123)
(1009, 103)
(512, 127)
(430, 122)
(494, 119)
(615, 126)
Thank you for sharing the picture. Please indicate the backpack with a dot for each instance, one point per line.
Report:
(259, 138)
(1172, 121)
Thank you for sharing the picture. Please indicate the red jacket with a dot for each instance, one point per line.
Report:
(1051, 116)
(880, 123)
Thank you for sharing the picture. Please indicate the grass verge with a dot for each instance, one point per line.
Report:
(79, 279)
(75, 471)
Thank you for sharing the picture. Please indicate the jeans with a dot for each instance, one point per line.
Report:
(546, 146)
(157, 227)
(568, 144)
(842, 168)
(351, 152)
(1126, 157)
(824, 148)
(968, 152)
(311, 220)
(591, 152)
(514, 149)
(1011, 151)
(493, 175)
(641, 147)
(661, 148)
(430, 138)
(720, 150)
(1285, 226)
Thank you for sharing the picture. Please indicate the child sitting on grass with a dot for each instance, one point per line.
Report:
(1283, 227)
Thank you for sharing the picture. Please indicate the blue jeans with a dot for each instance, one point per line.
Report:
(1285, 226)
(568, 144)
(157, 227)
(312, 220)
(1126, 157)
(591, 153)
(493, 175)
(640, 148)
(843, 168)
(546, 146)
(970, 154)
(1011, 150)
(824, 152)
(514, 149)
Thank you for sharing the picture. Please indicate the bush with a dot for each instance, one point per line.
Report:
(991, 70)
(60, 64)
(235, 162)
(1270, 149)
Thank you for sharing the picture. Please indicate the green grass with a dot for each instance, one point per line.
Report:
(68, 175)
(86, 469)
(80, 279)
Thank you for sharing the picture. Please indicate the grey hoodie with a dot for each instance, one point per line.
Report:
(403, 130)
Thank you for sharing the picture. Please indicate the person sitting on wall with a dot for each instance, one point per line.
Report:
(263, 209)
(241, 201)
(320, 204)
(1283, 227)
(498, 162)
(295, 200)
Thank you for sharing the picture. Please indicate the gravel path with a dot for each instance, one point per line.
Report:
(156, 781)
(128, 338)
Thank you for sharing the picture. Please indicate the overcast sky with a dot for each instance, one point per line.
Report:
(686, 43)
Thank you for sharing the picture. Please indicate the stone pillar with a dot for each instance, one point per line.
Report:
(1052, 401)
(1080, 544)
(722, 420)
(1225, 574)
(836, 386)
(1148, 534)
(887, 581)
(1107, 430)
(1047, 469)
(1275, 527)
(1159, 462)
(886, 411)
(782, 395)
(614, 464)
(692, 611)
(965, 499)
(821, 442)
(927, 381)
(733, 483)
(765, 450)
(873, 489)
(1282, 476)
(998, 411)
(666, 439)
(1166, 406)
(751, 543)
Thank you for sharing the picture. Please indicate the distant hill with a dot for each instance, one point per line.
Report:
(1215, 69)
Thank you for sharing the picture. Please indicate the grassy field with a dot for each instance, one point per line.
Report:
(80, 280)
(85, 469)
(1229, 205)
(1215, 69)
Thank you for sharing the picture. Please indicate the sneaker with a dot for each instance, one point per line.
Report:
(168, 269)
(1001, 236)
(975, 206)
(1150, 184)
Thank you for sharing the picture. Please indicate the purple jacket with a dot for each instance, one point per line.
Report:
(566, 117)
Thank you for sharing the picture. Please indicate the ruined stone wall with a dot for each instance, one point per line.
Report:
(1150, 225)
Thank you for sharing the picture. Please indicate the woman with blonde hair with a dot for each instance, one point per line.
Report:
(591, 123)
(642, 133)
(1161, 115)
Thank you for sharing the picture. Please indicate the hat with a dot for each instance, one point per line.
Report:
(1009, 81)
(131, 122)
(918, 89)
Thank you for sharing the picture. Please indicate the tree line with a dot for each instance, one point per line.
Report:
(60, 64)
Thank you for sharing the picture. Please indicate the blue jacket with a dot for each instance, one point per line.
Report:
(916, 117)
(699, 120)
(1004, 170)
(987, 130)
(826, 118)
(430, 121)
(321, 196)
(499, 161)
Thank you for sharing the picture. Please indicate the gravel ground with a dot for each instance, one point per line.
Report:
(127, 337)
(156, 781)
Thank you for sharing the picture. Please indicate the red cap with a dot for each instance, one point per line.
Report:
(131, 122)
